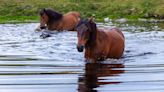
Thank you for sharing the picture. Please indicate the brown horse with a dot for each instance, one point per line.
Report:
(99, 44)
(53, 20)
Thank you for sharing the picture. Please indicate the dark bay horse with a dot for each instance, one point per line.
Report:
(99, 44)
(53, 20)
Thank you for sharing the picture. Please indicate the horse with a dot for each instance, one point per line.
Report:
(53, 20)
(99, 44)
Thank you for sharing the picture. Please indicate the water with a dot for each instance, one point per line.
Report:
(31, 64)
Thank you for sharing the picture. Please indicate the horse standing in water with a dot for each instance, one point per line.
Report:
(53, 20)
(99, 44)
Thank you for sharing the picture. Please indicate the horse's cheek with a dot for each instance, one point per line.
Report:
(80, 42)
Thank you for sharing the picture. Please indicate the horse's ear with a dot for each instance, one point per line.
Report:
(44, 10)
(92, 23)
(91, 19)
(93, 29)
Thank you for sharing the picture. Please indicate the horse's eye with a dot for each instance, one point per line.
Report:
(43, 18)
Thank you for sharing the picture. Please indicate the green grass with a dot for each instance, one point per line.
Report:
(18, 19)
(27, 10)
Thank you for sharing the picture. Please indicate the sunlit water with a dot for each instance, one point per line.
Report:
(31, 64)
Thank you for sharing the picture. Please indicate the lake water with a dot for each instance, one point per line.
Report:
(31, 64)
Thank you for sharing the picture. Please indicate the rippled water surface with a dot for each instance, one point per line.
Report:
(31, 64)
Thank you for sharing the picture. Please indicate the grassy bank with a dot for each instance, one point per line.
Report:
(18, 19)
(27, 10)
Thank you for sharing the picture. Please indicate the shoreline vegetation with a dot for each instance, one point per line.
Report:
(25, 11)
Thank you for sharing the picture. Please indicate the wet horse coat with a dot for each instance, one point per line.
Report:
(53, 20)
(99, 44)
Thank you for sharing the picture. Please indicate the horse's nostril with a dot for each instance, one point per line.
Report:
(80, 48)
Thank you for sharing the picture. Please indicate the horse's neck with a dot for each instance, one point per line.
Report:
(101, 36)
(95, 47)
(57, 25)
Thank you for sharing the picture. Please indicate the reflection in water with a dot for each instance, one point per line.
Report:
(93, 71)
(31, 64)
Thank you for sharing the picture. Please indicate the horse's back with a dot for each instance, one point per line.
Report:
(70, 20)
(76, 14)
(73, 14)
(117, 31)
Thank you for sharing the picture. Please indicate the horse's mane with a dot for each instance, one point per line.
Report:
(52, 15)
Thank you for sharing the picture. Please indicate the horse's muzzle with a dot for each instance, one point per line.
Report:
(43, 27)
(80, 48)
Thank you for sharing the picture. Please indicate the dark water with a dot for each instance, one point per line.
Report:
(31, 64)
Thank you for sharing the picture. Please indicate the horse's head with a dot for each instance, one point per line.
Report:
(48, 16)
(86, 32)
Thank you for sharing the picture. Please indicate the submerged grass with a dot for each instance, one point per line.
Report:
(27, 10)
